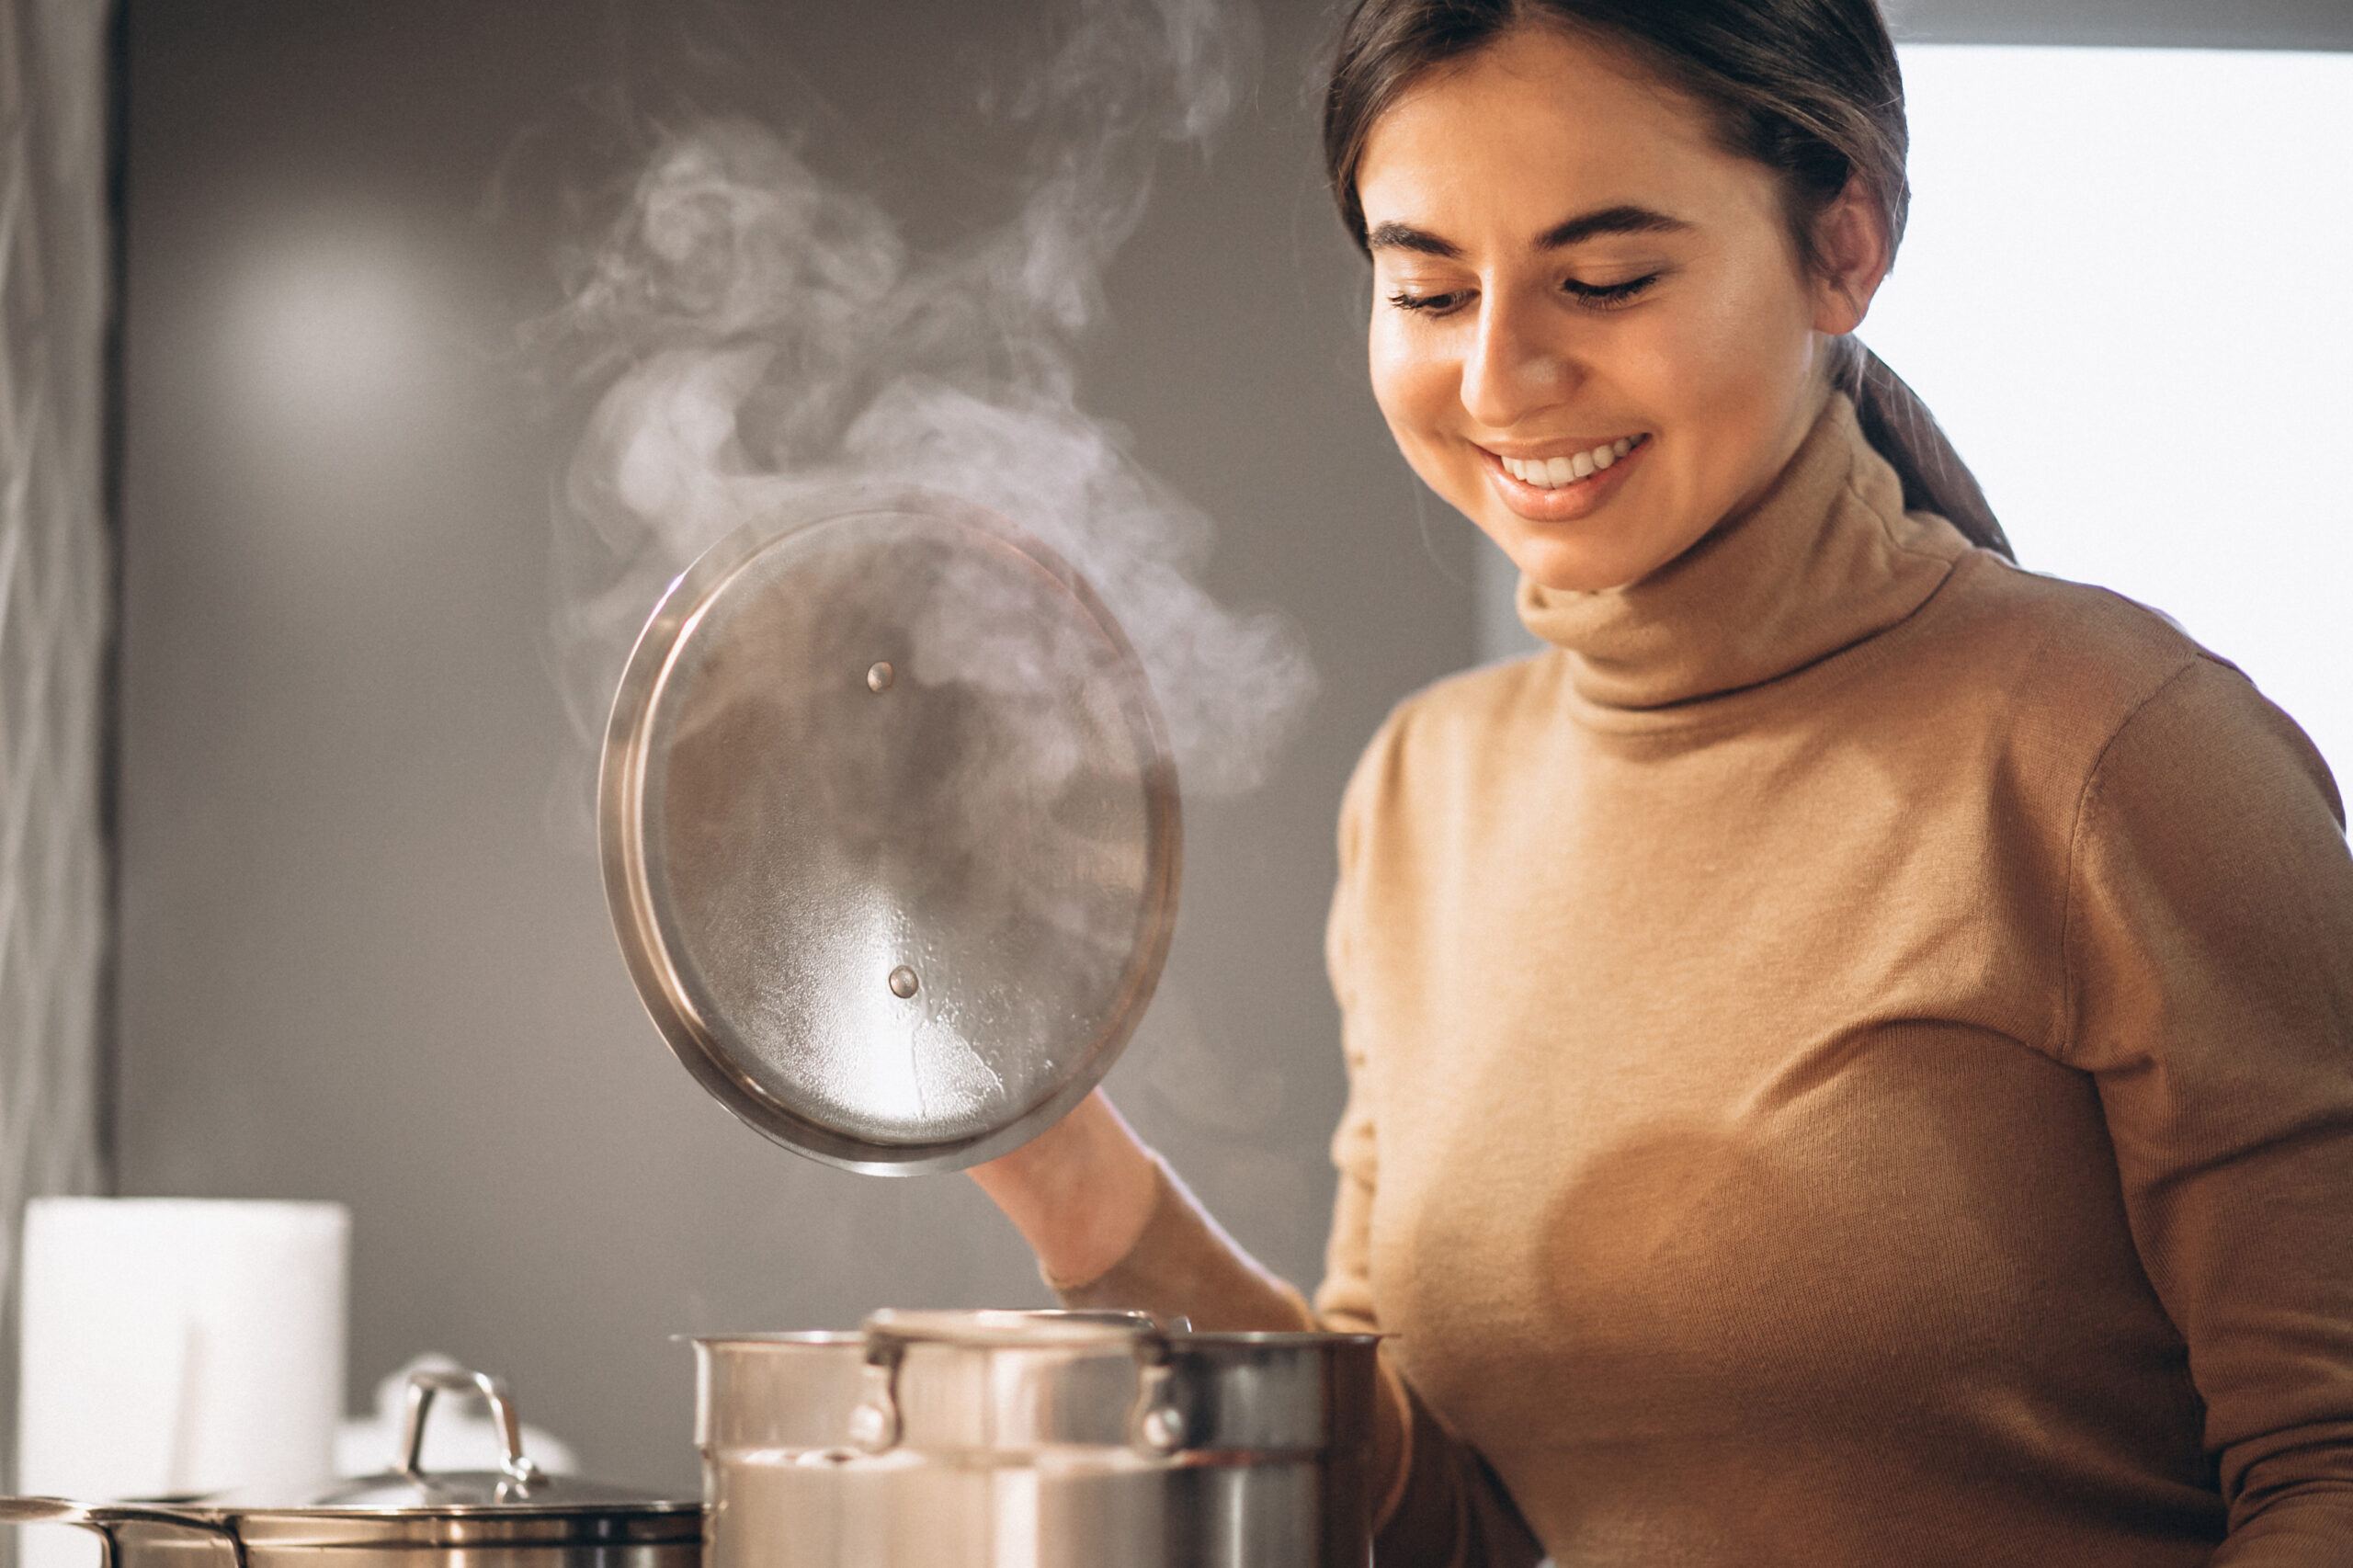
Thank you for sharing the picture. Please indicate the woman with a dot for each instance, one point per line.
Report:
(1851, 1054)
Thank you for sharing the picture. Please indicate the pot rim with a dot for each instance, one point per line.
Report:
(455, 1525)
(1179, 1339)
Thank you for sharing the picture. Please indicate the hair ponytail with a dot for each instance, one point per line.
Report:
(1900, 428)
(1809, 88)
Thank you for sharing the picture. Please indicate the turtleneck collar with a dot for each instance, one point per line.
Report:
(1827, 559)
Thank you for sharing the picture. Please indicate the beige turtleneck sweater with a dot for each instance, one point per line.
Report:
(1851, 1063)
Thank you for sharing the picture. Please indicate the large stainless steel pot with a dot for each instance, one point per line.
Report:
(514, 1517)
(1002, 1440)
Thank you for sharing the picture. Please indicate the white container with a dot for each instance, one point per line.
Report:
(173, 1347)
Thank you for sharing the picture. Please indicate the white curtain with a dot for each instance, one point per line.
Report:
(54, 599)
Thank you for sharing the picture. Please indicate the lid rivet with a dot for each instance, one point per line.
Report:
(902, 983)
(881, 676)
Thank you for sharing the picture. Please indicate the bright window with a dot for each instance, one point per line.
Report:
(2128, 294)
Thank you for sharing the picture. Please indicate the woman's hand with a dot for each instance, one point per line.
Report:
(1080, 1192)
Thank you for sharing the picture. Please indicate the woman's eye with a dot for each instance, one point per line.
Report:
(1604, 295)
(1436, 304)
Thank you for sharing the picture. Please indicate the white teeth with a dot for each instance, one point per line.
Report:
(1551, 473)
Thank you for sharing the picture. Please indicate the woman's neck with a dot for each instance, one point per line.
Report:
(1825, 557)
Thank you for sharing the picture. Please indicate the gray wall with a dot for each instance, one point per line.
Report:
(55, 590)
(358, 962)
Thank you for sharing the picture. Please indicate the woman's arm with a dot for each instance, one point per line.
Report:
(2210, 954)
(1080, 1192)
(1113, 1227)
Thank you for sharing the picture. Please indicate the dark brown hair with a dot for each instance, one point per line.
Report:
(1808, 88)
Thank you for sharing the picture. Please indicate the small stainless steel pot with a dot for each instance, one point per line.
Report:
(514, 1517)
(1035, 1440)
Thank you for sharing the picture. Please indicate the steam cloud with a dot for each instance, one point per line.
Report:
(761, 333)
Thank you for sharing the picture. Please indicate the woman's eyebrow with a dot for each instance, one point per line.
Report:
(1404, 237)
(1618, 220)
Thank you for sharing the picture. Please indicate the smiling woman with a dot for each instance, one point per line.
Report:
(1762, 261)
(1851, 1048)
(1565, 262)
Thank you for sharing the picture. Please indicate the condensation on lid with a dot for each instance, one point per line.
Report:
(890, 830)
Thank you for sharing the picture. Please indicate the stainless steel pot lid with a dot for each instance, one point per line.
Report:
(517, 1484)
(890, 830)
(408, 1505)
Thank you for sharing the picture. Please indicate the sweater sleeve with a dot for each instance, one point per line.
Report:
(1438, 1503)
(2210, 954)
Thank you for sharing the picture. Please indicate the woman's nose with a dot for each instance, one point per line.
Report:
(1511, 371)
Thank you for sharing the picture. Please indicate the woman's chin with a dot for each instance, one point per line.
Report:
(1575, 565)
(1585, 538)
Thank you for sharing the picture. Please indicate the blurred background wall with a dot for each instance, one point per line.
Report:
(361, 955)
(55, 594)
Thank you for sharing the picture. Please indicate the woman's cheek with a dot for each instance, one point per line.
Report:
(1718, 369)
(1415, 390)
(1388, 377)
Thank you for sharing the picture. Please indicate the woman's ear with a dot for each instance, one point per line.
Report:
(1850, 242)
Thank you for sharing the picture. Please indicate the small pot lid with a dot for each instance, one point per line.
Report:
(396, 1491)
(890, 830)
(516, 1504)
(518, 1486)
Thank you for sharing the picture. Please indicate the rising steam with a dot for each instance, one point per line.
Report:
(760, 332)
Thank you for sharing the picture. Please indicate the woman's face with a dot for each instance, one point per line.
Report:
(1591, 330)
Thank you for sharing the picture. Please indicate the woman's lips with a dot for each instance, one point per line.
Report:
(1564, 502)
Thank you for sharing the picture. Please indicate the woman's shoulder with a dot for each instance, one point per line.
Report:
(1472, 706)
(2066, 668)
(2041, 672)
(2036, 642)
(1452, 737)
(2044, 638)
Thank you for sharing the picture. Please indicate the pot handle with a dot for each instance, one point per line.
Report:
(1156, 1426)
(100, 1519)
(874, 1425)
(423, 1385)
